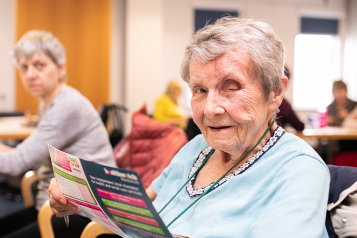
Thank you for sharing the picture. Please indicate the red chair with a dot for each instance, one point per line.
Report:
(348, 158)
(150, 146)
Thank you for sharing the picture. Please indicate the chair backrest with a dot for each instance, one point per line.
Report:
(192, 129)
(346, 158)
(29, 188)
(150, 146)
(342, 177)
(111, 115)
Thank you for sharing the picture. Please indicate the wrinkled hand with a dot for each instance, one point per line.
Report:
(58, 202)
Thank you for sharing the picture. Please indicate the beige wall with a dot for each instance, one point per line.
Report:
(117, 53)
(178, 30)
(143, 54)
(7, 38)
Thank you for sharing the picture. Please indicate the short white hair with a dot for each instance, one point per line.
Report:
(39, 41)
(257, 38)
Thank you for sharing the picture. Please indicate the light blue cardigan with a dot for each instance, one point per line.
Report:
(281, 193)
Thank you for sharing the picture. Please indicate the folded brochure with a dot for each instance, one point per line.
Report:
(112, 197)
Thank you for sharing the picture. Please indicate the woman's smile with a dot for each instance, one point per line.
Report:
(219, 128)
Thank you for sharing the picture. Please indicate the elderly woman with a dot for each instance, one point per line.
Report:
(245, 176)
(68, 122)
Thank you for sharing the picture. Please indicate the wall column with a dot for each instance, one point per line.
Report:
(143, 56)
(7, 69)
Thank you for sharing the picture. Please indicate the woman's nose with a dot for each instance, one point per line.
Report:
(213, 106)
(30, 73)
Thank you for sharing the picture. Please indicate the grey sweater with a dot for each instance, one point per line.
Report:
(70, 124)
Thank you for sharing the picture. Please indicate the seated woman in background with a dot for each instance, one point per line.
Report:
(339, 110)
(167, 109)
(244, 176)
(286, 113)
(341, 106)
(68, 122)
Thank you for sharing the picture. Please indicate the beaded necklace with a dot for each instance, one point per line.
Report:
(210, 188)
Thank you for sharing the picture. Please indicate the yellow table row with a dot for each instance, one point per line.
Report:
(12, 128)
(332, 133)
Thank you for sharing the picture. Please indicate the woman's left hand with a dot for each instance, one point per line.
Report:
(5, 148)
(58, 202)
(151, 194)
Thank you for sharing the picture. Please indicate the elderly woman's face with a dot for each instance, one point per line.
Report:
(228, 102)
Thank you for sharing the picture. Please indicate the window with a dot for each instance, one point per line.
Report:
(316, 66)
(319, 26)
(203, 16)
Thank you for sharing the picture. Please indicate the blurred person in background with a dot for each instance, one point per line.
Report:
(68, 121)
(341, 106)
(167, 109)
(338, 111)
(286, 113)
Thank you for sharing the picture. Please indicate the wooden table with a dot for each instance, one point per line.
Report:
(11, 128)
(332, 133)
(328, 133)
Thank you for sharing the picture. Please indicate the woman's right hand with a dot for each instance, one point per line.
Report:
(58, 202)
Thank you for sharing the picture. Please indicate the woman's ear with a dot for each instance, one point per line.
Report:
(62, 72)
(275, 99)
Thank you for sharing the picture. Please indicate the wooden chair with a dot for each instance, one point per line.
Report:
(93, 229)
(44, 221)
(45, 214)
(26, 188)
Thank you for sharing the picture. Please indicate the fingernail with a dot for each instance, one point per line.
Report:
(63, 201)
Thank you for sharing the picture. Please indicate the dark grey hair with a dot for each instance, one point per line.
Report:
(257, 38)
(39, 41)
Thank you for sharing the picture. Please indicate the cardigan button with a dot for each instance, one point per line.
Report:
(344, 220)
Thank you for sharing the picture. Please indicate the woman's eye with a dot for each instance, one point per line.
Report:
(200, 90)
(40, 65)
(233, 86)
(23, 67)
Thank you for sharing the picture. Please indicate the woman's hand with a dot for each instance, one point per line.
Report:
(330, 120)
(4, 148)
(58, 202)
(342, 113)
(151, 194)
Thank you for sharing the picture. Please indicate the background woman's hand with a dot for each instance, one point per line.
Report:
(342, 113)
(330, 120)
(58, 202)
(4, 148)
